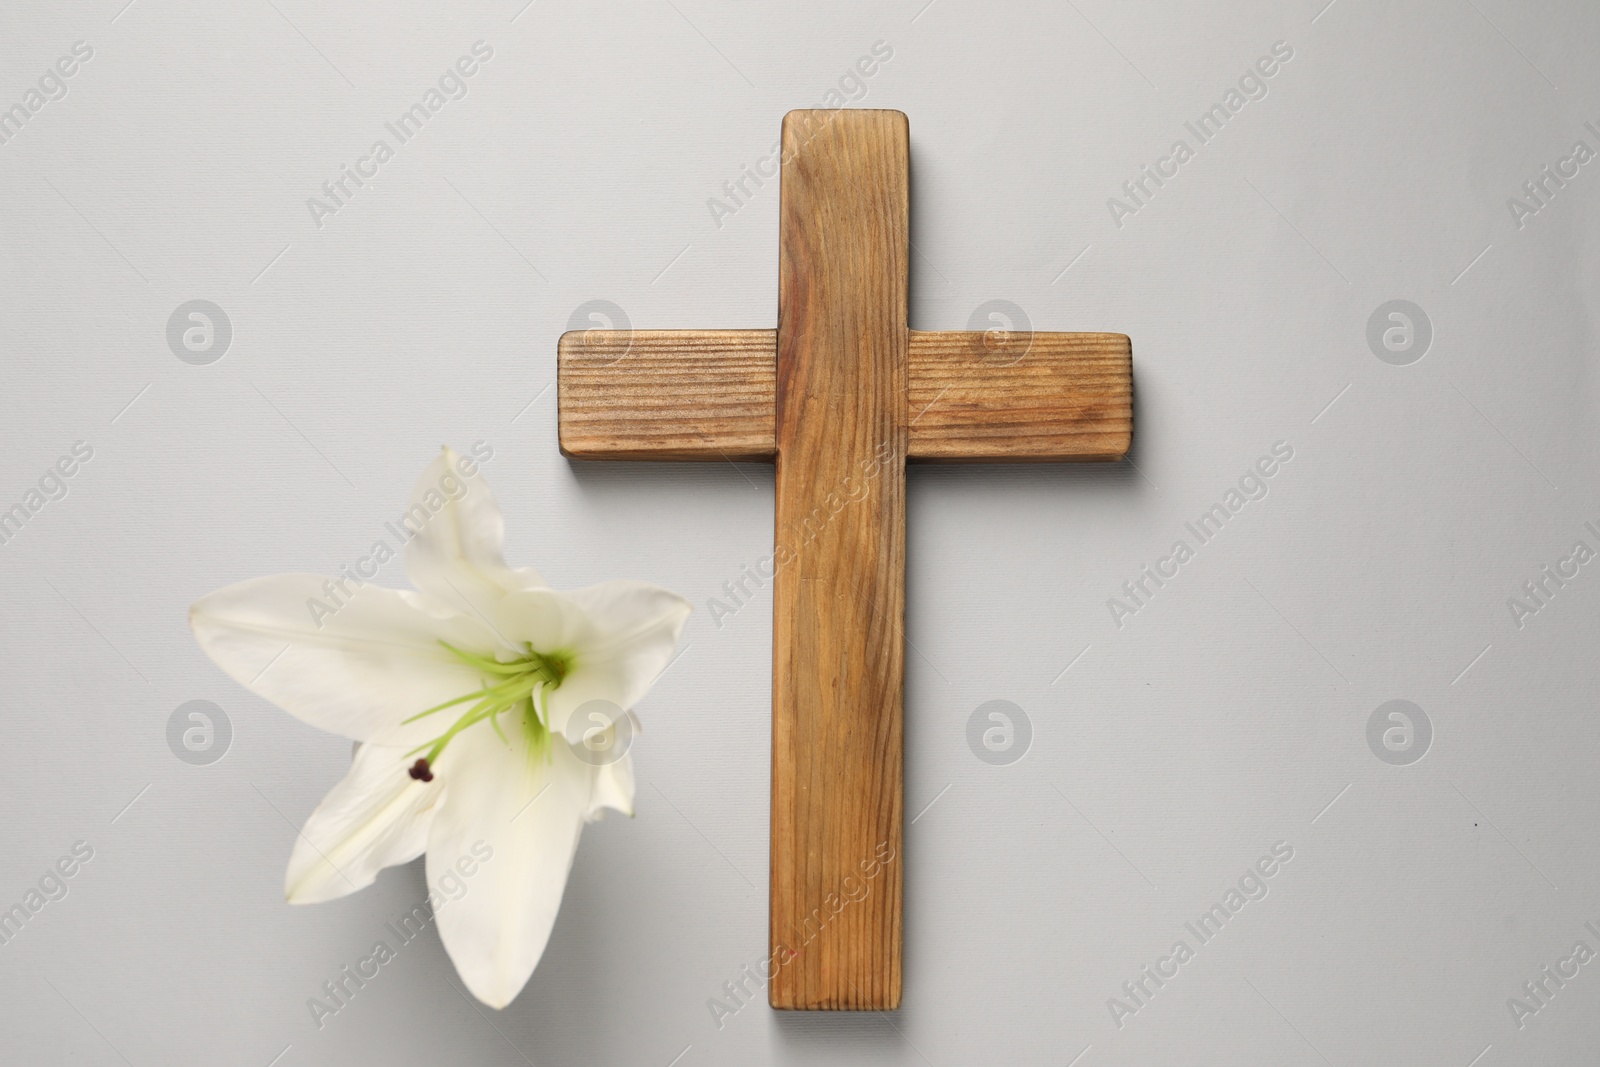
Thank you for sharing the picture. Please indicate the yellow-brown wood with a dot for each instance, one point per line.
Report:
(701, 394)
(839, 602)
(666, 394)
(841, 395)
(1067, 396)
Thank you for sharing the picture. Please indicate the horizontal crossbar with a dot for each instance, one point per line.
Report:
(972, 397)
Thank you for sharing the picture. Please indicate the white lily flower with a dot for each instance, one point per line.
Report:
(461, 695)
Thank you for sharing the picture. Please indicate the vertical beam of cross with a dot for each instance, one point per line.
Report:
(838, 650)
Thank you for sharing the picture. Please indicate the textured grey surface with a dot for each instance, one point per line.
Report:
(1230, 712)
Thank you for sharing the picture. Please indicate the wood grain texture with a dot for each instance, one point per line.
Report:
(841, 395)
(839, 591)
(707, 394)
(1036, 397)
(667, 394)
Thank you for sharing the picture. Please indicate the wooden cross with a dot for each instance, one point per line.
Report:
(841, 395)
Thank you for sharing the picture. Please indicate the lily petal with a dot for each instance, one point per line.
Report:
(360, 670)
(524, 811)
(613, 788)
(633, 630)
(376, 817)
(457, 556)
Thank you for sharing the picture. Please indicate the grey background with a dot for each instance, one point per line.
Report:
(1229, 714)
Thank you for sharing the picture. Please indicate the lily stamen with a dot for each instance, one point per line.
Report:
(526, 682)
